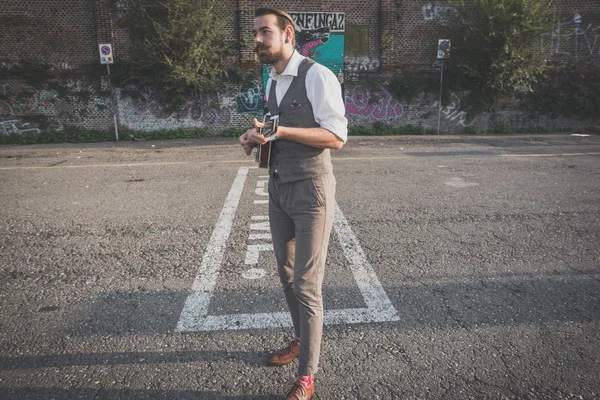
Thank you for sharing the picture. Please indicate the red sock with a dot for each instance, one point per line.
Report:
(306, 380)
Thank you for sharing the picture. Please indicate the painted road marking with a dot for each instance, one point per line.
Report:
(260, 236)
(194, 316)
(253, 252)
(263, 234)
(254, 273)
(460, 183)
(196, 304)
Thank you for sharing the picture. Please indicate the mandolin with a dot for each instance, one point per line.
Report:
(263, 152)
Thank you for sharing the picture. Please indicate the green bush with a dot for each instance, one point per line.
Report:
(499, 128)
(498, 54)
(233, 132)
(176, 45)
(471, 130)
(566, 92)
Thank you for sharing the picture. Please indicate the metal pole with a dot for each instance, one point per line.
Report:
(440, 102)
(112, 101)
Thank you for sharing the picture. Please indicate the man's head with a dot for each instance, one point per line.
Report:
(274, 35)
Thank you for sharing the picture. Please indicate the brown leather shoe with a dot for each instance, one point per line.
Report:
(285, 356)
(300, 392)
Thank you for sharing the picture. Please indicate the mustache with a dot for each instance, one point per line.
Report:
(260, 47)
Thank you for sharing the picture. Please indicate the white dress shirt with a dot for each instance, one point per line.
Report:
(323, 90)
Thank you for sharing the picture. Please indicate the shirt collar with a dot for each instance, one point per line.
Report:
(292, 67)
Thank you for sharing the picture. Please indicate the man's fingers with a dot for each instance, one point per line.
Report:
(257, 123)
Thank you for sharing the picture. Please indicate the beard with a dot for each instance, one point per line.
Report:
(268, 57)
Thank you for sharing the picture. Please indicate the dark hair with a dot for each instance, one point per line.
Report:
(283, 19)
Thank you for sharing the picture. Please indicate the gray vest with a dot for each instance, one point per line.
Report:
(294, 161)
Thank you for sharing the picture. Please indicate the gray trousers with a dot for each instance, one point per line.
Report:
(301, 217)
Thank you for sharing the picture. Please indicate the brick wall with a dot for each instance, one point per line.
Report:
(65, 36)
(59, 32)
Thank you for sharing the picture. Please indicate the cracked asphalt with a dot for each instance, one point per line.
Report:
(486, 246)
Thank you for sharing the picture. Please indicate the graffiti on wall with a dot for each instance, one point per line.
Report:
(453, 112)
(249, 99)
(143, 110)
(59, 66)
(335, 21)
(378, 106)
(353, 66)
(308, 40)
(12, 126)
(320, 36)
(575, 36)
(209, 109)
(18, 101)
(440, 12)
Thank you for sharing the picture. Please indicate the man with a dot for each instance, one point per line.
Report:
(308, 99)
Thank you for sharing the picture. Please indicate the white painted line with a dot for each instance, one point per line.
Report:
(261, 201)
(196, 305)
(375, 297)
(282, 319)
(261, 236)
(254, 273)
(260, 218)
(261, 188)
(195, 316)
(260, 226)
(253, 252)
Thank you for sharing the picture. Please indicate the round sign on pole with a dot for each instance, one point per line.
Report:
(443, 48)
(106, 54)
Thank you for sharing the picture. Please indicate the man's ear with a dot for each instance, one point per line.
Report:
(289, 33)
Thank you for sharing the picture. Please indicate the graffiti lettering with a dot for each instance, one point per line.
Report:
(440, 12)
(452, 111)
(362, 64)
(63, 66)
(208, 109)
(336, 22)
(249, 99)
(573, 37)
(9, 65)
(42, 102)
(99, 102)
(145, 111)
(16, 127)
(354, 65)
(360, 104)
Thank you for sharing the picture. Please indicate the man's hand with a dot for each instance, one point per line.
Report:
(252, 137)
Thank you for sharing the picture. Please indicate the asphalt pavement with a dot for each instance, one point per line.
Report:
(460, 267)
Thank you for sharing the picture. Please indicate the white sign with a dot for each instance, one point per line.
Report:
(106, 53)
(306, 21)
(443, 48)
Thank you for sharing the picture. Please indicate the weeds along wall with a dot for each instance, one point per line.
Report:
(51, 78)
